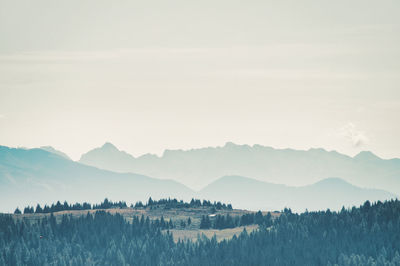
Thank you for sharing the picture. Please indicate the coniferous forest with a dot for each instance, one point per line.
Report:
(367, 235)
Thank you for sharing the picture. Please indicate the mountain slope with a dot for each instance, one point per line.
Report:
(52, 150)
(37, 176)
(109, 157)
(330, 193)
(198, 167)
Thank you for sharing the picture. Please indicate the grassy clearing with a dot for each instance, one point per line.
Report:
(189, 232)
(177, 215)
(193, 234)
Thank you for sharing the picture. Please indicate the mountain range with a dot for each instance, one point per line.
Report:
(31, 176)
(197, 168)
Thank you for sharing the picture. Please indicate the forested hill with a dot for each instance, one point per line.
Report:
(367, 235)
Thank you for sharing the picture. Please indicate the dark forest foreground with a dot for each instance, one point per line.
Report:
(368, 235)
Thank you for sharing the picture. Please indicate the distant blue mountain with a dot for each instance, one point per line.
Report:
(333, 193)
(30, 176)
(198, 167)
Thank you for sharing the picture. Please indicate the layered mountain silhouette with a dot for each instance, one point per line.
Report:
(332, 193)
(30, 176)
(198, 167)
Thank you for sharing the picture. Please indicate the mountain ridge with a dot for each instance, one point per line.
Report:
(332, 193)
(30, 176)
(198, 167)
(55, 151)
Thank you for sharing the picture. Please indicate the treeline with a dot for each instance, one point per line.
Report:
(228, 221)
(175, 204)
(368, 235)
(57, 207)
(108, 204)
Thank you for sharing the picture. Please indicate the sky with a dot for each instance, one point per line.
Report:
(154, 75)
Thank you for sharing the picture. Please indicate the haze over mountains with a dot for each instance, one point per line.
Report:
(330, 193)
(31, 176)
(197, 168)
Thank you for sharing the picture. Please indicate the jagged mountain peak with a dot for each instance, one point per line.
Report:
(108, 157)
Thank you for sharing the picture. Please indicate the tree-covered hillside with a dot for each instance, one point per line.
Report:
(368, 235)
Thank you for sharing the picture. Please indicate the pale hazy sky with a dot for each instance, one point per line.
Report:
(155, 75)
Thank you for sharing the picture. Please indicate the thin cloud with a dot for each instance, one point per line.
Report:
(357, 137)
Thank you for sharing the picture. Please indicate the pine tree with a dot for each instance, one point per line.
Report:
(38, 209)
(150, 202)
(183, 224)
(205, 222)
